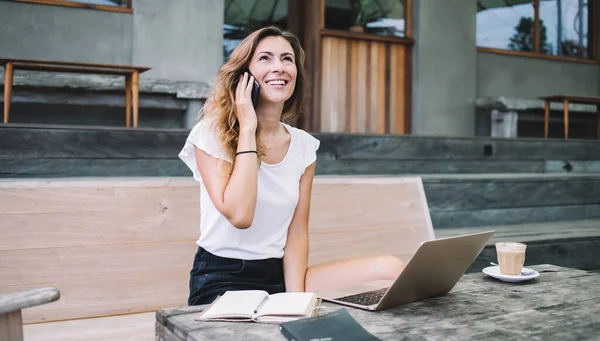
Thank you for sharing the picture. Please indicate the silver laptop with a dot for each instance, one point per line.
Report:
(433, 270)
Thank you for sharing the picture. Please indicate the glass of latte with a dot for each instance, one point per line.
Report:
(511, 257)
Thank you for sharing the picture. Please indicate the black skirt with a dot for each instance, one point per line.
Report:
(212, 275)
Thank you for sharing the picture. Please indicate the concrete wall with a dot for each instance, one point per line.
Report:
(180, 40)
(49, 32)
(523, 77)
(444, 74)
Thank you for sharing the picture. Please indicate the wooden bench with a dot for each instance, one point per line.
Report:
(566, 99)
(120, 249)
(121, 246)
(130, 72)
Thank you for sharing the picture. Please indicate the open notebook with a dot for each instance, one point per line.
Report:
(259, 306)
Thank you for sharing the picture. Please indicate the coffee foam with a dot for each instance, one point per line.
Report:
(511, 247)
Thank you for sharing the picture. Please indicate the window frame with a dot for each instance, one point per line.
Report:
(592, 39)
(408, 23)
(75, 4)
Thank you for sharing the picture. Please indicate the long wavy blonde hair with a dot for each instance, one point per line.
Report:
(220, 105)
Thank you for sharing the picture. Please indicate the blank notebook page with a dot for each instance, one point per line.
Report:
(290, 303)
(236, 303)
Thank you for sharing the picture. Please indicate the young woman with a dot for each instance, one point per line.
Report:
(256, 174)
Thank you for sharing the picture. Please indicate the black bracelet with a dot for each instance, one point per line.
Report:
(246, 151)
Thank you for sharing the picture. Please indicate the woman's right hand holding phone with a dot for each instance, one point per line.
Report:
(244, 109)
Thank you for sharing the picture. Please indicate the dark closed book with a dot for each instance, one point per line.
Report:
(336, 326)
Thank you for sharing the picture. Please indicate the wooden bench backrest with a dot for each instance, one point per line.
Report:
(115, 246)
(353, 217)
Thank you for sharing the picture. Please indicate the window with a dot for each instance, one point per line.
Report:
(538, 27)
(243, 17)
(104, 5)
(384, 17)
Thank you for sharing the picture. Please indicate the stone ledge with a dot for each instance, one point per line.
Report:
(181, 89)
(26, 299)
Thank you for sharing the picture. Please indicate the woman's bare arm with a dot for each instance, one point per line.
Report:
(235, 195)
(295, 259)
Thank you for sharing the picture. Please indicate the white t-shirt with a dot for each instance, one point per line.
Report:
(277, 197)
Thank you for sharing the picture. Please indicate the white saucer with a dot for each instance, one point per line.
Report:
(526, 274)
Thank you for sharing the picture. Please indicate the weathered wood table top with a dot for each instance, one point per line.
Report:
(561, 304)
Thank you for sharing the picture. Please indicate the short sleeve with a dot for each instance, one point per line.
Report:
(202, 136)
(311, 145)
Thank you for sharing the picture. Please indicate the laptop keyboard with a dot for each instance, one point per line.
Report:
(365, 298)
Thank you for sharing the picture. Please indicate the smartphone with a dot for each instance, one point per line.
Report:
(255, 91)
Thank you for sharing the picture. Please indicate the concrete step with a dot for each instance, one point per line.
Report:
(499, 199)
(574, 244)
(33, 151)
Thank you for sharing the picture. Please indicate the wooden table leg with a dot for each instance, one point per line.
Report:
(546, 117)
(135, 80)
(566, 117)
(8, 82)
(128, 93)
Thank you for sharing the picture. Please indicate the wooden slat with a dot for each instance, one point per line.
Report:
(340, 90)
(362, 85)
(337, 86)
(372, 85)
(95, 227)
(76, 4)
(400, 94)
(376, 88)
(393, 100)
(101, 280)
(355, 86)
(132, 327)
(66, 216)
(397, 89)
(69, 68)
(74, 64)
(117, 261)
(326, 82)
(381, 106)
(408, 90)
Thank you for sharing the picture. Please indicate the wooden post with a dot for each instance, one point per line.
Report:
(566, 117)
(11, 326)
(128, 93)
(8, 82)
(546, 117)
(135, 79)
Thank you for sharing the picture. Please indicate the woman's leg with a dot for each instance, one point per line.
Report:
(352, 271)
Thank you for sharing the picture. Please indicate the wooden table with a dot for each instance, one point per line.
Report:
(566, 99)
(561, 304)
(130, 72)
